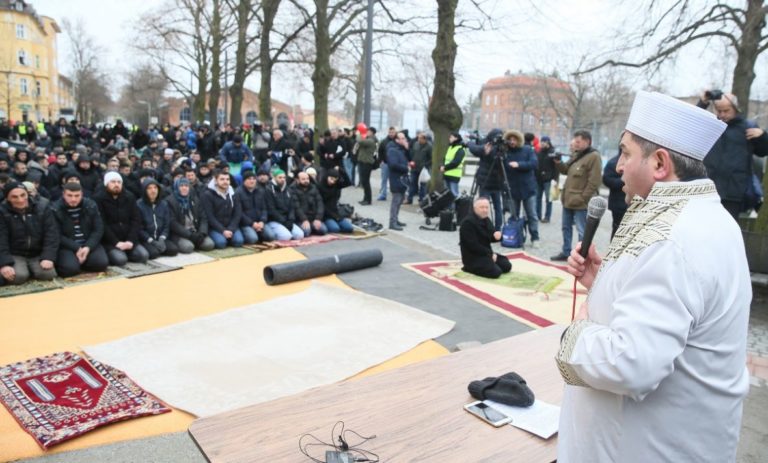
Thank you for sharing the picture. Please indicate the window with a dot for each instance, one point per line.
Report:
(487, 100)
(494, 118)
(251, 117)
(495, 100)
(186, 114)
(37, 61)
(19, 6)
(24, 87)
(22, 57)
(38, 88)
(20, 31)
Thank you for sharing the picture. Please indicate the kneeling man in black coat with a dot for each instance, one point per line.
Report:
(475, 237)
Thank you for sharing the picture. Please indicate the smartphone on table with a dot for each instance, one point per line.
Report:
(487, 413)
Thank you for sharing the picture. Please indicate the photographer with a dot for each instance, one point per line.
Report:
(729, 162)
(490, 176)
(545, 173)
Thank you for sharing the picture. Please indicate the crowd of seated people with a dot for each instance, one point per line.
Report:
(93, 197)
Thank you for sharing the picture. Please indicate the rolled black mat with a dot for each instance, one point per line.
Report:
(339, 263)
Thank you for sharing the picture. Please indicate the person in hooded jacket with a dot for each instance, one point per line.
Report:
(308, 205)
(89, 178)
(189, 223)
(521, 167)
(280, 209)
(224, 212)
(330, 186)
(155, 222)
(490, 172)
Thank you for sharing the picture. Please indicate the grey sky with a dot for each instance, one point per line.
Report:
(527, 40)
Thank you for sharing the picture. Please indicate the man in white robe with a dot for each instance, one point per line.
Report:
(655, 362)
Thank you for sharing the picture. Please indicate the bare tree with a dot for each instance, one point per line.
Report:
(178, 40)
(444, 112)
(142, 93)
(90, 84)
(671, 27)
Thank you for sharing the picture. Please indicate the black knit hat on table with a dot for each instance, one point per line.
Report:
(508, 389)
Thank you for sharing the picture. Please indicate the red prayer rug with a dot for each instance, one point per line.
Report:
(64, 395)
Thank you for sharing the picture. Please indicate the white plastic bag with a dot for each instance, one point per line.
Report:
(424, 176)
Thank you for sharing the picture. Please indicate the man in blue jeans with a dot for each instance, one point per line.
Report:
(584, 171)
(383, 159)
(224, 211)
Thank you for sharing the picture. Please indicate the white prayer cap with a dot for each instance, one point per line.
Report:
(674, 124)
(168, 151)
(112, 175)
(3, 144)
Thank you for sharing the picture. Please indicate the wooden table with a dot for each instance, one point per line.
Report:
(415, 411)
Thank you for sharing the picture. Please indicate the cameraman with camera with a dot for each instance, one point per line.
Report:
(489, 178)
(729, 162)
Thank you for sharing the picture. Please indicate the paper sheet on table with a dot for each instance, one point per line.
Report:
(540, 418)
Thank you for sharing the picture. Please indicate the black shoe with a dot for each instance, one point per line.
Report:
(560, 257)
(396, 227)
(364, 203)
(401, 224)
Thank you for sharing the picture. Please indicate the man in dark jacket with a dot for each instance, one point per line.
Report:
(223, 211)
(253, 204)
(397, 160)
(521, 166)
(122, 222)
(282, 218)
(729, 162)
(476, 234)
(545, 173)
(89, 177)
(382, 160)
(234, 153)
(155, 222)
(308, 205)
(616, 198)
(490, 172)
(81, 232)
(29, 238)
(330, 186)
(366, 157)
(421, 155)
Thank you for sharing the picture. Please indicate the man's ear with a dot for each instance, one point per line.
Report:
(663, 168)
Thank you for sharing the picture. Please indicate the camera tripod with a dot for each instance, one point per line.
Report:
(506, 196)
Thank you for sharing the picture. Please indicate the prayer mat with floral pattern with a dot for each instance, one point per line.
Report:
(64, 395)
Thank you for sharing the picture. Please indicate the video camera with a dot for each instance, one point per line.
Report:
(713, 95)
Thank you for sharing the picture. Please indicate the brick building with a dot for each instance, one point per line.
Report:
(527, 103)
(177, 110)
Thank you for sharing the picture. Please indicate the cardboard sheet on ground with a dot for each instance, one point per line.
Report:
(536, 292)
(264, 351)
(39, 324)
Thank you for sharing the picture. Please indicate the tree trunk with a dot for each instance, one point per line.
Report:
(323, 74)
(359, 91)
(236, 90)
(265, 59)
(444, 114)
(213, 96)
(747, 53)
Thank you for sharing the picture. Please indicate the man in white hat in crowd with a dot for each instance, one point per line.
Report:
(655, 360)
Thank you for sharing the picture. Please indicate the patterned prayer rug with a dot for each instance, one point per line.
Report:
(31, 286)
(227, 252)
(61, 396)
(536, 292)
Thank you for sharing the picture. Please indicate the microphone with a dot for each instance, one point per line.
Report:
(595, 210)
